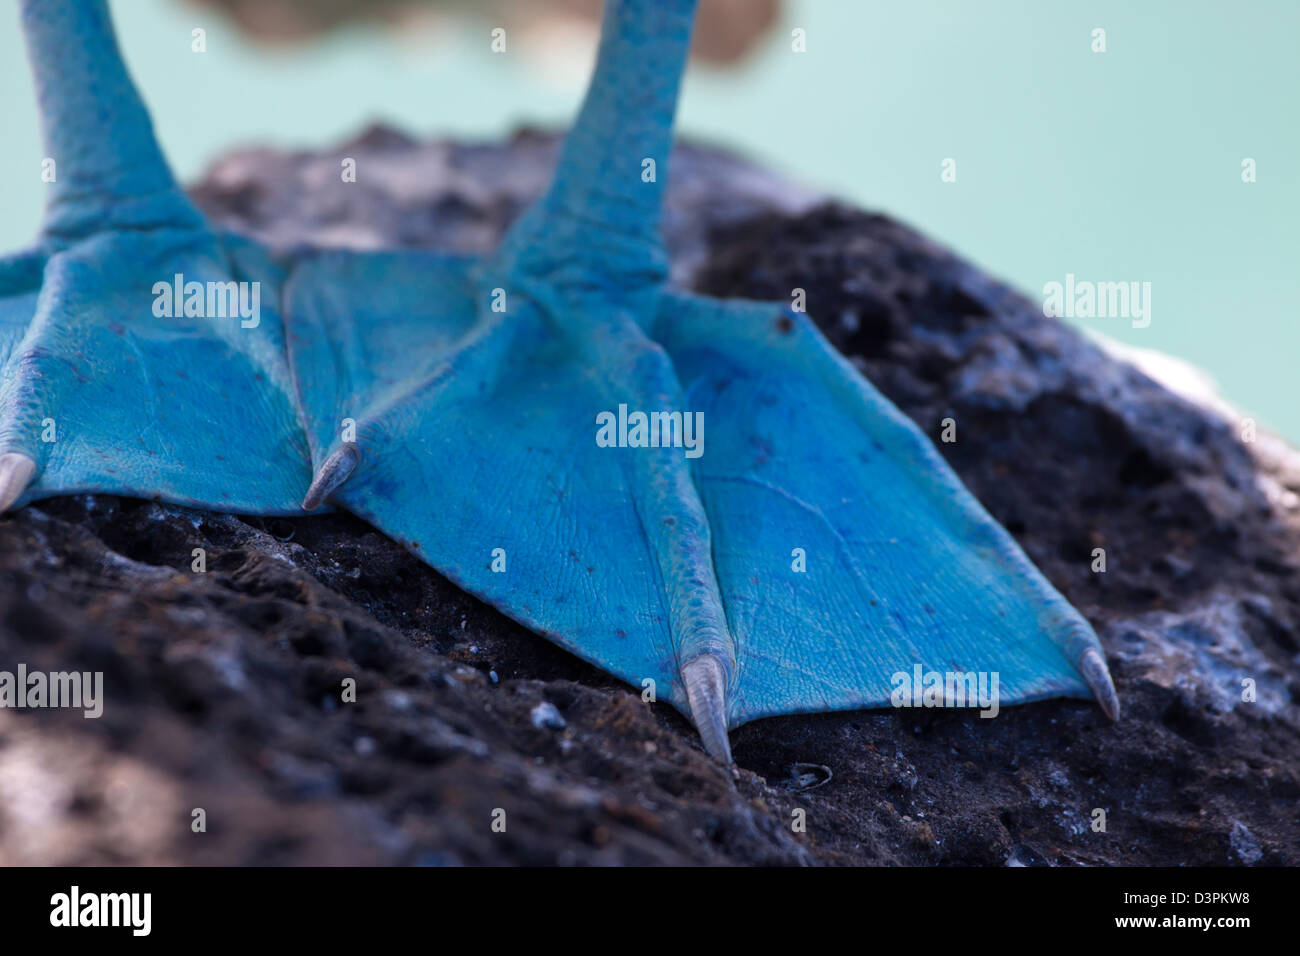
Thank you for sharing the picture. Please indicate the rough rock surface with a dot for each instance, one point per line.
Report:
(223, 688)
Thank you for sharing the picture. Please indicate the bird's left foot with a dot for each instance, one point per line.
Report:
(699, 496)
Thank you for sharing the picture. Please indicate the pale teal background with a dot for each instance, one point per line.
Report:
(1116, 166)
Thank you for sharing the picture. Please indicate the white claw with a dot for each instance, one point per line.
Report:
(16, 471)
(337, 469)
(706, 689)
(1093, 668)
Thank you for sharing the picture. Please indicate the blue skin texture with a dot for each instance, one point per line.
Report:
(452, 403)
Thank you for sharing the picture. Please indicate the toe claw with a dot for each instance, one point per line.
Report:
(337, 469)
(16, 471)
(1093, 667)
(705, 680)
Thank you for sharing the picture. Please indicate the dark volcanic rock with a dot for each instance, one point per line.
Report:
(223, 688)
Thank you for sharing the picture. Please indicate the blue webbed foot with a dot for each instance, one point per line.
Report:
(140, 353)
(470, 415)
(483, 452)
